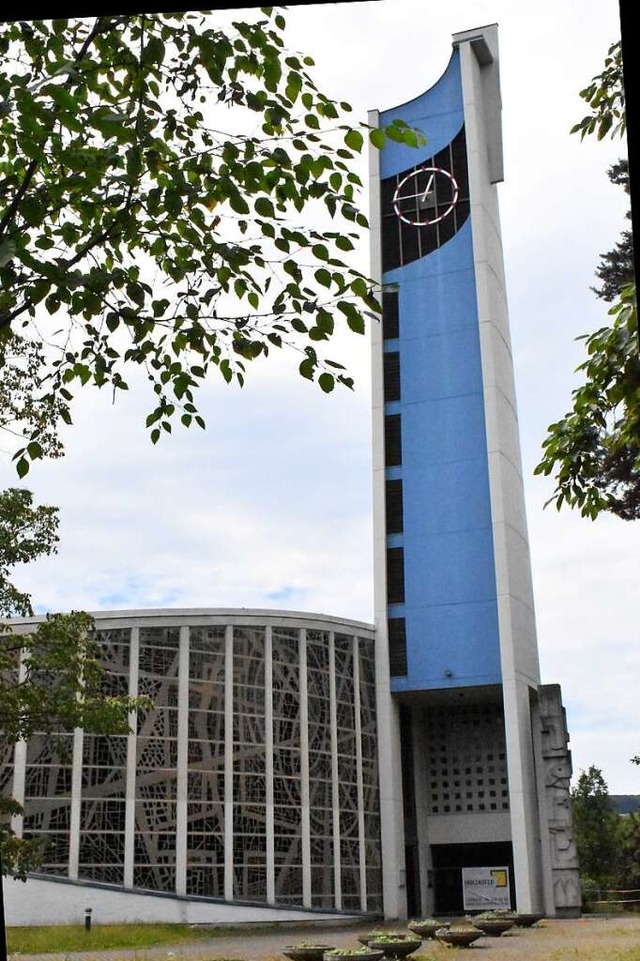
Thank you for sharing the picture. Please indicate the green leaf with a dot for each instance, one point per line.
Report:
(356, 323)
(343, 243)
(359, 287)
(264, 207)
(354, 140)
(32, 210)
(294, 86)
(173, 201)
(34, 450)
(22, 467)
(154, 51)
(307, 369)
(63, 98)
(326, 382)
(605, 126)
(238, 203)
(272, 73)
(355, 320)
(136, 292)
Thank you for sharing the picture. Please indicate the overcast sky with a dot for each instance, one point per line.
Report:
(271, 507)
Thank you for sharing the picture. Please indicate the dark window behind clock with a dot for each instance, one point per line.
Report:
(403, 242)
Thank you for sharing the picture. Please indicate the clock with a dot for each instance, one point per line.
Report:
(425, 196)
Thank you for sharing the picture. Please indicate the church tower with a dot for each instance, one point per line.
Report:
(461, 736)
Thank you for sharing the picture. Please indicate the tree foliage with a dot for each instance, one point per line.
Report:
(134, 231)
(596, 829)
(593, 451)
(616, 267)
(51, 679)
(606, 99)
(26, 532)
(629, 878)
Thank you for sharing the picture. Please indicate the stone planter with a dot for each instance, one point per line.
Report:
(493, 927)
(306, 952)
(526, 920)
(460, 937)
(375, 935)
(426, 928)
(396, 947)
(357, 954)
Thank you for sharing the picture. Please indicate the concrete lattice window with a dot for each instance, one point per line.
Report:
(253, 778)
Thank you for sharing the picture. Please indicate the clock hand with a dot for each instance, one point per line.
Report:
(429, 188)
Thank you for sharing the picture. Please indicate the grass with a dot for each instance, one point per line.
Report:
(73, 937)
(597, 953)
(41, 940)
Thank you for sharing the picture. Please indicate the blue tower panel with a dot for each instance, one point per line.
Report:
(456, 646)
(446, 499)
(450, 598)
(437, 112)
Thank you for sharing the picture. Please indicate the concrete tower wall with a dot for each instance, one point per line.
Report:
(518, 645)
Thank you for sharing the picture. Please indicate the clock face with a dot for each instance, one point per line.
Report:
(425, 196)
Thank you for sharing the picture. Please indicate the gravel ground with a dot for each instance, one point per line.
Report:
(598, 938)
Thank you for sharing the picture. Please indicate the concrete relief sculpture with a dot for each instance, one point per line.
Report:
(563, 848)
(557, 781)
(566, 892)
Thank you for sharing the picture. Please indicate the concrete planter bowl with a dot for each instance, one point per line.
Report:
(427, 927)
(395, 947)
(458, 937)
(306, 952)
(376, 935)
(492, 927)
(526, 920)
(355, 954)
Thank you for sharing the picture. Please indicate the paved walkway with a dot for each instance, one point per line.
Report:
(546, 942)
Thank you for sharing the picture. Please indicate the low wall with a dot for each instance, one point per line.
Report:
(40, 901)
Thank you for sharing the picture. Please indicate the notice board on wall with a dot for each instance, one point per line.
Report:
(485, 889)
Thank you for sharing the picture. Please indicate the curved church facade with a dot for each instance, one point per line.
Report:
(252, 780)
(297, 764)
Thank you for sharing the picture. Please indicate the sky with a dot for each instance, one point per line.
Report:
(271, 506)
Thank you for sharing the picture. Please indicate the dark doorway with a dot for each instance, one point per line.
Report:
(413, 881)
(411, 856)
(448, 861)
